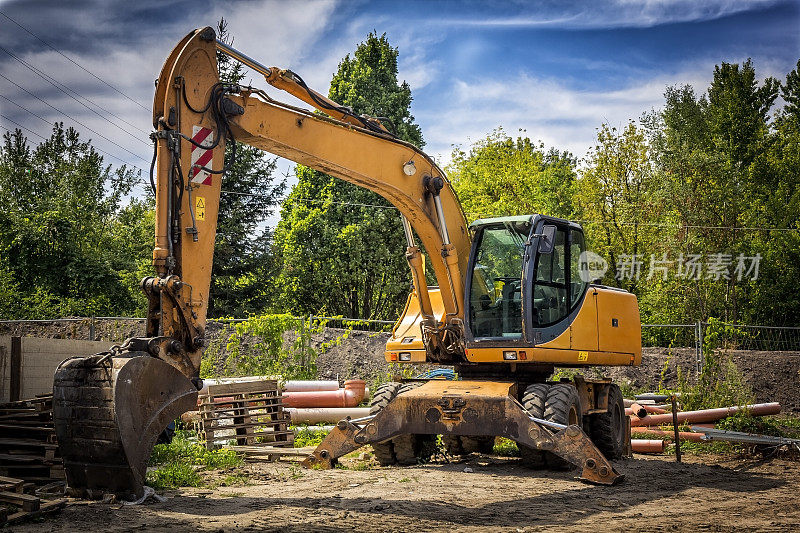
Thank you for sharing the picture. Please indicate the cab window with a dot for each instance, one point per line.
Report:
(577, 282)
(550, 289)
(495, 293)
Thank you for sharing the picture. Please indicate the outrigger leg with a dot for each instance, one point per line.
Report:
(473, 408)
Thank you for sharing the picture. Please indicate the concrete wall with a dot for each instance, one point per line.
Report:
(37, 362)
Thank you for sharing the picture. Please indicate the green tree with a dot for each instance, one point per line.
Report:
(58, 229)
(503, 176)
(619, 197)
(243, 262)
(341, 246)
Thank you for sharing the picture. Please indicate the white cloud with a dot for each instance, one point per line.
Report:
(613, 14)
(546, 109)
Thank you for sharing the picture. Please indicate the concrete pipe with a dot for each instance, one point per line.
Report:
(308, 385)
(707, 415)
(647, 446)
(326, 415)
(350, 396)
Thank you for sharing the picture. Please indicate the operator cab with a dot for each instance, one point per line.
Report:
(525, 284)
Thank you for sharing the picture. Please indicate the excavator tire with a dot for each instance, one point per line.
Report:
(456, 445)
(608, 429)
(562, 406)
(384, 451)
(108, 413)
(534, 401)
(410, 449)
(404, 449)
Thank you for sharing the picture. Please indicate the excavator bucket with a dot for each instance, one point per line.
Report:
(472, 408)
(108, 413)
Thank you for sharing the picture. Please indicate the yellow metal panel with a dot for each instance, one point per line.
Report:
(549, 355)
(408, 326)
(584, 327)
(619, 326)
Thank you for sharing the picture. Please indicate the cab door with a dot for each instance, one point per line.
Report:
(558, 296)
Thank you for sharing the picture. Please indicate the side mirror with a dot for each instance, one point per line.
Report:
(547, 239)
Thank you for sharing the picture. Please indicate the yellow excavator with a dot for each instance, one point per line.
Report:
(513, 300)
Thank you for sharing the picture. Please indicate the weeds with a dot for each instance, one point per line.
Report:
(505, 447)
(179, 463)
(306, 437)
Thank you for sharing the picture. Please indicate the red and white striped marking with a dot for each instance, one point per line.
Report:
(200, 156)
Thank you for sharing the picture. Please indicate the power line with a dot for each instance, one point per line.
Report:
(73, 61)
(21, 127)
(71, 118)
(45, 138)
(61, 87)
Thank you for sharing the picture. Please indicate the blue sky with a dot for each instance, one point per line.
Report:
(555, 69)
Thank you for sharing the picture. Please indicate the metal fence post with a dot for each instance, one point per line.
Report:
(698, 347)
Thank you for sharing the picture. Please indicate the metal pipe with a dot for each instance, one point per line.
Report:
(325, 415)
(243, 58)
(407, 230)
(677, 436)
(707, 415)
(649, 432)
(647, 446)
(437, 202)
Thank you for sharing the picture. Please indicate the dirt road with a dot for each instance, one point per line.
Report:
(714, 494)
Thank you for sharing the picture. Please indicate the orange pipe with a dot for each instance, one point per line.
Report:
(684, 435)
(308, 385)
(647, 446)
(640, 411)
(350, 396)
(707, 415)
(636, 409)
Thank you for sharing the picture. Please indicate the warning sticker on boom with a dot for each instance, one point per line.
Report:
(200, 208)
(201, 157)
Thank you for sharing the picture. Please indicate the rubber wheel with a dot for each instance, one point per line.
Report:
(534, 402)
(562, 406)
(608, 429)
(410, 449)
(384, 451)
(403, 449)
(456, 445)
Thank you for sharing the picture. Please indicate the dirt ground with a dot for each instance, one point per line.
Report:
(703, 493)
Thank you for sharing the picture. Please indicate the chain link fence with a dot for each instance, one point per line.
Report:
(727, 336)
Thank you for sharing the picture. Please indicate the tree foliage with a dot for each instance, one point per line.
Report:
(67, 245)
(340, 247)
(501, 176)
(242, 266)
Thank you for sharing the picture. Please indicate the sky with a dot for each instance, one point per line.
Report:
(554, 69)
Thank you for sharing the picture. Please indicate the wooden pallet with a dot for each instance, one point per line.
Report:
(12, 493)
(271, 453)
(251, 414)
(28, 448)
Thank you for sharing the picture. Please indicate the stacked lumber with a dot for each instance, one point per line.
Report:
(17, 506)
(28, 448)
(249, 414)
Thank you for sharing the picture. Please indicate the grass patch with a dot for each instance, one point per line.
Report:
(307, 437)
(180, 462)
(174, 475)
(235, 480)
(505, 447)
